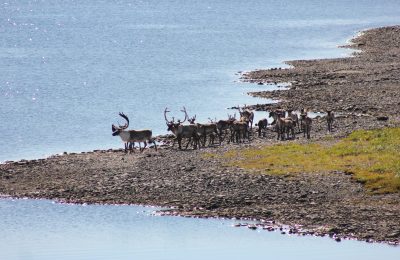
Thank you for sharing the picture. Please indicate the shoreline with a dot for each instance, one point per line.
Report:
(321, 84)
(198, 184)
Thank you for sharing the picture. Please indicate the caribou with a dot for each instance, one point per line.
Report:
(246, 115)
(306, 123)
(282, 125)
(239, 131)
(182, 131)
(295, 118)
(262, 127)
(223, 126)
(329, 119)
(204, 130)
(131, 136)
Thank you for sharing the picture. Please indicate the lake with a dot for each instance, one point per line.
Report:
(42, 229)
(68, 67)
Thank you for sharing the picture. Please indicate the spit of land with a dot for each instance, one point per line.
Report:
(345, 184)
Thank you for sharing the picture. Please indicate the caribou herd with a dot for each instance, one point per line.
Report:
(285, 123)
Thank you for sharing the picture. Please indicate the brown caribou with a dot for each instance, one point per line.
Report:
(204, 130)
(329, 119)
(182, 131)
(246, 115)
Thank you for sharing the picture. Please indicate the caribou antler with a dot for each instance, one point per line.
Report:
(212, 121)
(127, 121)
(192, 119)
(165, 116)
(186, 115)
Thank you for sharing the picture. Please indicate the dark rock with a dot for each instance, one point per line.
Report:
(382, 118)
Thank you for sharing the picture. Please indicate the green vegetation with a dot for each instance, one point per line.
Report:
(373, 157)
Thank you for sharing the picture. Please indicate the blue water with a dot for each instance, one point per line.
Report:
(40, 229)
(68, 67)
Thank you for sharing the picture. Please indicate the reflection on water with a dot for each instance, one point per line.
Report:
(41, 229)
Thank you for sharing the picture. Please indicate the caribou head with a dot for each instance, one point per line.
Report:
(171, 124)
(116, 130)
(192, 120)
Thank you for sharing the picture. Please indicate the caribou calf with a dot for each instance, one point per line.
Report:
(131, 136)
(262, 127)
(329, 119)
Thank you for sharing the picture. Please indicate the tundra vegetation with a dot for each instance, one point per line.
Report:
(371, 156)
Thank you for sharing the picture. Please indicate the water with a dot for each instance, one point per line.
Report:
(68, 67)
(41, 229)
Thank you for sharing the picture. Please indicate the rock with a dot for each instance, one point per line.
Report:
(252, 227)
(382, 118)
(394, 234)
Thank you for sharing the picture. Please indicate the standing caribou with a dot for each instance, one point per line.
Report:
(262, 127)
(294, 117)
(182, 131)
(131, 136)
(204, 130)
(306, 123)
(282, 125)
(329, 119)
(246, 115)
(223, 126)
(239, 131)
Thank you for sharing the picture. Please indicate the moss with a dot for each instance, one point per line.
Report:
(372, 156)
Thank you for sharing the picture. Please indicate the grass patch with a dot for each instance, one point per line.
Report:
(372, 156)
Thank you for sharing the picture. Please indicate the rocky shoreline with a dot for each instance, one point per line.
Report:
(364, 89)
(366, 83)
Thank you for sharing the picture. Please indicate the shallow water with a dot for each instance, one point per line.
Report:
(68, 67)
(41, 229)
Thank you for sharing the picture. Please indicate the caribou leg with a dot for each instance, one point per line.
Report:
(187, 144)
(144, 147)
(180, 142)
(154, 143)
(131, 146)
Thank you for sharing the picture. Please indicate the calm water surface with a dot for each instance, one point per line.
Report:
(68, 67)
(40, 229)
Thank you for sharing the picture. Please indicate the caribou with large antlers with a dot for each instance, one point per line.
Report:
(131, 136)
(182, 131)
